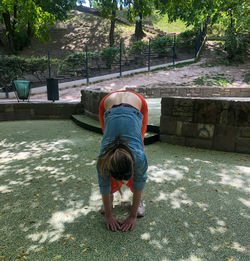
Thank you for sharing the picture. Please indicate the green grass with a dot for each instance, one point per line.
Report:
(247, 77)
(217, 80)
(175, 27)
(160, 22)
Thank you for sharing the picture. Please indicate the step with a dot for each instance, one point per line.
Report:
(151, 136)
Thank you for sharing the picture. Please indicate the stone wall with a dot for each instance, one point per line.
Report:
(39, 110)
(161, 90)
(210, 123)
(90, 100)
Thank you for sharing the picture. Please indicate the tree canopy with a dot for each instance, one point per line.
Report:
(24, 19)
(214, 11)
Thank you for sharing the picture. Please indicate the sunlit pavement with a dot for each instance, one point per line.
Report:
(197, 201)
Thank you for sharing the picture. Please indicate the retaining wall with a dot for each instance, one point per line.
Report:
(219, 123)
(39, 110)
(161, 90)
(209, 123)
(90, 100)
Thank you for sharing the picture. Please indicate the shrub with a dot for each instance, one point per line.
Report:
(235, 45)
(36, 66)
(75, 62)
(109, 55)
(186, 39)
(14, 67)
(10, 69)
(138, 47)
(162, 45)
(21, 40)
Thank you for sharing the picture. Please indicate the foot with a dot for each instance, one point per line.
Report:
(141, 210)
(111, 196)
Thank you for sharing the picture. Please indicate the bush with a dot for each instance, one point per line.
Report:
(138, 47)
(14, 67)
(109, 55)
(162, 45)
(75, 62)
(235, 45)
(186, 39)
(21, 40)
(11, 69)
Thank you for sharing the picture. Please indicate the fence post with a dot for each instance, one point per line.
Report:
(6, 87)
(196, 45)
(49, 66)
(87, 65)
(149, 53)
(120, 58)
(174, 49)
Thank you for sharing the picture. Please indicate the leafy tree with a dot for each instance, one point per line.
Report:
(30, 18)
(234, 14)
(138, 9)
(108, 10)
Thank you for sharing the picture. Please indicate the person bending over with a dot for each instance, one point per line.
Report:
(123, 117)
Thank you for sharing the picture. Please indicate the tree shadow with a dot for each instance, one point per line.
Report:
(197, 204)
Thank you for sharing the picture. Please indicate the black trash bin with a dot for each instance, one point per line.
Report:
(52, 89)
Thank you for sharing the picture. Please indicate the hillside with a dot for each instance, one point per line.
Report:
(83, 28)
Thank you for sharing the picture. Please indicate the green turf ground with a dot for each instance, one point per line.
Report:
(197, 201)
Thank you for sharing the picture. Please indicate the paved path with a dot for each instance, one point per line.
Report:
(197, 201)
(73, 84)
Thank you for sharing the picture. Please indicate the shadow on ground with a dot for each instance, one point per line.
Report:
(197, 201)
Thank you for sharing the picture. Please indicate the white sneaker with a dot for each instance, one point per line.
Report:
(141, 210)
(111, 205)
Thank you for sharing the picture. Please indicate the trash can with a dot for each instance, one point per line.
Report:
(22, 89)
(52, 89)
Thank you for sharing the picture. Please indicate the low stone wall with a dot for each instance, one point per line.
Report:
(39, 110)
(161, 91)
(210, 123)
(90, 100)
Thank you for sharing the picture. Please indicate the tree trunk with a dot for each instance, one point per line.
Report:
(112, 25)
(29, 34)
(10, 32)
(139, 34)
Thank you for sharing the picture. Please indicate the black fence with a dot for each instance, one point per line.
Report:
(92, 63)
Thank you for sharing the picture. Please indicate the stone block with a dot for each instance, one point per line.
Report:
(207, 111)
(172, 139)
(198, 143)
(207, 92)
(243, 114)
(243, 145)
(182, 92)
(224, 138)
(197, 90)
(205, 131)
(168, 125)
(167, 106)
(189, 129)
(179, 128)
(9, 108)
(244, 132)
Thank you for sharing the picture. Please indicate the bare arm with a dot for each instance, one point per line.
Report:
(107, 204)
(130, 221)
(111, 221)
